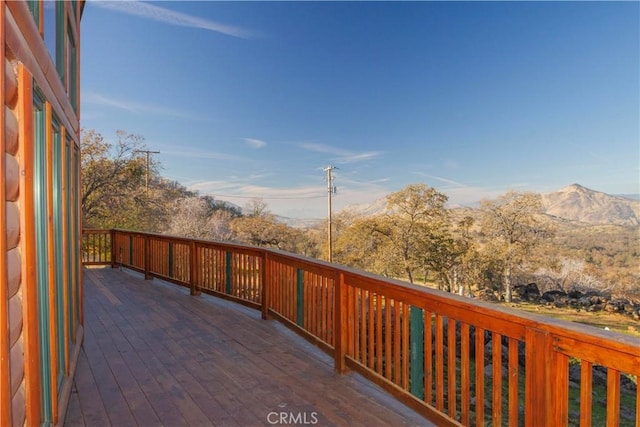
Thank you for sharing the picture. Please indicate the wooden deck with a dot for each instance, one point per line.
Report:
(154, 355)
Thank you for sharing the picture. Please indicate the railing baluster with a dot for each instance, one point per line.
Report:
(439, 364)
(370, 330)
(428, 357)
(613, 397)
(513, 383)
(479, 366)
(496, 379)
(378, 334)
(560, 378)
(341, 323)
(586, 386)
(405, 346)
(451, 367)
(464, 374)
(388, 358)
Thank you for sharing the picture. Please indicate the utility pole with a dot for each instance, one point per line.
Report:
(146, 175)
(330, 190)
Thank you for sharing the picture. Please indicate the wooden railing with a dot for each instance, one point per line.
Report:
(455, 360)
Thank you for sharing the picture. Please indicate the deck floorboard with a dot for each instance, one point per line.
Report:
(154, 355)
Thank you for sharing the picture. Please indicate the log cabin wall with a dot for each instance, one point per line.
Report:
(40, 318)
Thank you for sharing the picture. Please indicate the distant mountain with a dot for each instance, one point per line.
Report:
(571, 203)
(299, 222)
(629, 196)
(578, 203)
(367, 209)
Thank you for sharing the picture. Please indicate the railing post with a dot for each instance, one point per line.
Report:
(340, 323)
(147, 258)
(114, 255)
(194, 277)
(265, 276)
(538, 402)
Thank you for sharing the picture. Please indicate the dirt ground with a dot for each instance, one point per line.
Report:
(600, 319)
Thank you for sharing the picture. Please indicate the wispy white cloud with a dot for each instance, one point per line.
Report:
(202, 154)
(255, 143)
(340, 155)
(93, 98)
(232, 190)
(171, 17)
(441, 179)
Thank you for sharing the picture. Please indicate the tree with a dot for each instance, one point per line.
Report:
(112, 179)
(416, 227)
(260, 228)
(411, 236)
(513, 226)
(361, 245)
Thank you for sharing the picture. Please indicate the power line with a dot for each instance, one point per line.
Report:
(268, 198)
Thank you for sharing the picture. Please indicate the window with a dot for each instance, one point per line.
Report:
(71, 82)
(54, 33)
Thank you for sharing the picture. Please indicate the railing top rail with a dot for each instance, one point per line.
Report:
(439, 301)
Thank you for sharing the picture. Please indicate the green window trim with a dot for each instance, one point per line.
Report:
(58, 255)
(72, 80)
(40, 211)
(70, 253)
(34, 8)
(60, 39)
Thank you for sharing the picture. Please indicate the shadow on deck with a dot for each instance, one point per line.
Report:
(154, 355)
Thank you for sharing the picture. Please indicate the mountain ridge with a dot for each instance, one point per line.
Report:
(578, 203)
(573, 202)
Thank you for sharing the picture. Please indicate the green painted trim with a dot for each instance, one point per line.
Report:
(300, 297)
(72, 90)
(130, 250)
(40, 205)
(228, 271)
(76, 231)
(170, 259)
(416, 352)
(34, 8)
(58, 255)
(70, 244)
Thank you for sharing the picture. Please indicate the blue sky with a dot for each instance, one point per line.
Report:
(254, 99)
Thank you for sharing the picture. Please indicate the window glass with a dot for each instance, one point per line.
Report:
(54, 33)
(50, 27)
(71, 83)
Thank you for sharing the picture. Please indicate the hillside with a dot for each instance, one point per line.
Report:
(577, 203)
(571, 203)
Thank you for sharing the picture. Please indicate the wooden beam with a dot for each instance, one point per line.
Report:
(5, 392)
